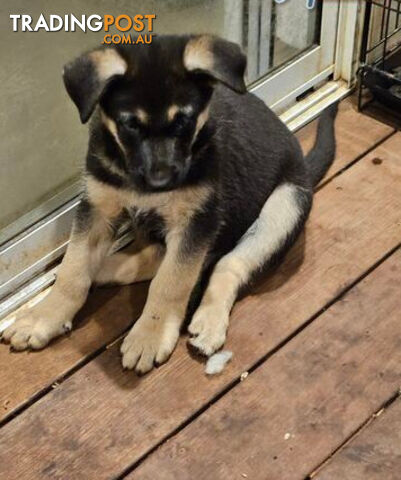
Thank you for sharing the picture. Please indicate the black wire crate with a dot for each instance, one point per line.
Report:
(380, 70)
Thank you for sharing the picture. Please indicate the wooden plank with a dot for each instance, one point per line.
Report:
(305, 401)
(103, 416)
(355, 133)
(109, 312)
(105, 316)
(374, 454)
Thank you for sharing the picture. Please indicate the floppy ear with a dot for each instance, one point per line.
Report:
(218, 58)
(86, 78)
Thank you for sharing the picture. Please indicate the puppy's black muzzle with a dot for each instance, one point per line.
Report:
(162, 165)
(162, 176)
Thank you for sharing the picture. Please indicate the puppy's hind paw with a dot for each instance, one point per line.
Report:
(208, 329)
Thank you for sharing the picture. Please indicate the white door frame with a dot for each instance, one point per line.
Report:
(281, 88)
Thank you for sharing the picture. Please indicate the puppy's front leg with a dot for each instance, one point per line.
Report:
(154, 336)
(90, 240)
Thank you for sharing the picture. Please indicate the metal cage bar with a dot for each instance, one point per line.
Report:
(388, 15)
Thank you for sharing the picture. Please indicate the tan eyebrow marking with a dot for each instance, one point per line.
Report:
(174, 109)
(111, 125)
(141, 115)
(171, 112)
(202, 119)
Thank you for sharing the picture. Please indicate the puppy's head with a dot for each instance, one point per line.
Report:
(154, 99)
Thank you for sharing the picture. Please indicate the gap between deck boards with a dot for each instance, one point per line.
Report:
(374, 454)
(359, 431)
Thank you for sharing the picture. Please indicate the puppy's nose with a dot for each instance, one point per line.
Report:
(161, 176)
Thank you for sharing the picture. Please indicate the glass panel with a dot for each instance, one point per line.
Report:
(43, 144)
(276, 32)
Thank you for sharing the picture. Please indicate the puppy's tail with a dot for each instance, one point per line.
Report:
(320, 158)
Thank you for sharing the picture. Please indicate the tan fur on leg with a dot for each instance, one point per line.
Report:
(54, 314)
(276, 222)
(154, 336)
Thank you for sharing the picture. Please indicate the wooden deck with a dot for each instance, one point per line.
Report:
(320, 338)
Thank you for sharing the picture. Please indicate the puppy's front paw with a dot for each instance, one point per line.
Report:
(208, 329)
(35, 328)
(150, 342)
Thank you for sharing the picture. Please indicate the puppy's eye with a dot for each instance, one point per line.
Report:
(181, 124)
(129, 121)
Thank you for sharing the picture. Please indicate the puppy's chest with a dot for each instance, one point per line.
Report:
(169, 211)
(173, 210)
(150, 223)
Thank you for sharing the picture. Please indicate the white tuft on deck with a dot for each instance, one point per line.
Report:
(217, 362)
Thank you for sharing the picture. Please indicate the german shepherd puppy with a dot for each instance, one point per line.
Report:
(215, 184)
